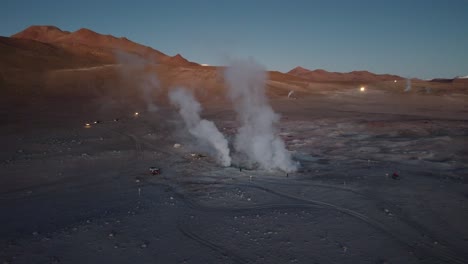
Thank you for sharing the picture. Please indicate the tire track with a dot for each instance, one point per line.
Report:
(397, 213)
(424, 248)
(182, 227)
(428, 249)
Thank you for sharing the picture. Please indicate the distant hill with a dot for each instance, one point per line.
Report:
(46, 61)
(458, 79)
(46, 34)
(320, 75)
(84, 43)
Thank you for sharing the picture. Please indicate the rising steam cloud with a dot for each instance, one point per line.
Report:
(202, 129)
(147, 81)
(257, 137)
(408, 85)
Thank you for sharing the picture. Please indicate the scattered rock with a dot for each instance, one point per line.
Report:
(388, 212)
(144, 244)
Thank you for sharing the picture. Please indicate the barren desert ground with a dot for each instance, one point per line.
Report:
(383, 179)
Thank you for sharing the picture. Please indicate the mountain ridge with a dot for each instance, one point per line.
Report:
(321, 75)
(85, 38)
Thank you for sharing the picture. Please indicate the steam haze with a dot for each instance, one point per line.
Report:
(147, 83)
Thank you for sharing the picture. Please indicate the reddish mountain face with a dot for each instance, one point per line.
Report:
(354, 76)
(85, 39)
(298, 71)
(45, 34)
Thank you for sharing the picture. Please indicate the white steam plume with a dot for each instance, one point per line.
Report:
(202, 129)
(408, 85)
(257, 137)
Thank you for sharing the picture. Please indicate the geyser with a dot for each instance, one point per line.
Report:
(202, 129)
(257, 136)
(408, 85)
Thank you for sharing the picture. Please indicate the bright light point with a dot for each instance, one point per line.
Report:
(136, 113)
(362, 89)
(87, 125)
(395, 81)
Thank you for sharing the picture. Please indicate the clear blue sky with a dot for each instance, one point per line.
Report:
(412, 38)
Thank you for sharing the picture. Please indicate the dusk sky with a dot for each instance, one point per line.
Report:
(424, 39)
